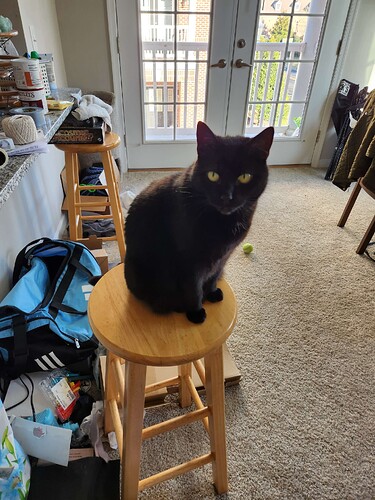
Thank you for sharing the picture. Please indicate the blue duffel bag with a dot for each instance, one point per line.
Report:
(43, 319)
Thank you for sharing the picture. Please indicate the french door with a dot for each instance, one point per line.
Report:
(238, 65)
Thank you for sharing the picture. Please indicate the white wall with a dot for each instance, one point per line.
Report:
(359, 63)
(41, 15)
(84, 38)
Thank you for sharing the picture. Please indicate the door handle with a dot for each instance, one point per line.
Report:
(241, 64)
(220, 64)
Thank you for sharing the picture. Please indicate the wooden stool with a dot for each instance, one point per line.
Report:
(76, 206)
(136, 336)
(348, 208)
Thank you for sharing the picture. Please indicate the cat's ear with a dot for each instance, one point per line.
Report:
(205, 136)
(263, 142)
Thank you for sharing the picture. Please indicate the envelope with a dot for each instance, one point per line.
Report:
(43, 441)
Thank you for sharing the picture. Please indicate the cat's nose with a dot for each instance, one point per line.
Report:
(227, 196)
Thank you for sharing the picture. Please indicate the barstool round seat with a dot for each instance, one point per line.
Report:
(131, 330)
(111, 141)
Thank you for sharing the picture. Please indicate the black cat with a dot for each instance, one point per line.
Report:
(181, 229)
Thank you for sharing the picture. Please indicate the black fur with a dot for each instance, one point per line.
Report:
(181, 230)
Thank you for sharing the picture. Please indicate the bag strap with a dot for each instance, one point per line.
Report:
(72, 266)
(21, 257)
(20, 351)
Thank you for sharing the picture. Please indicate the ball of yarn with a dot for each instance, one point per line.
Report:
(20, 128)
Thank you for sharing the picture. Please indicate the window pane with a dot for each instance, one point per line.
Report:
(192, 35)
(187, 117)
(259, 115)
(191, 82)
(286, 6)
(307, 30)
(157, 28)
(194, 5)
(157, 5)
(296, 81)
(266, 80)
(289, 118)
(158, 79)
(276, 6)
(159, 119)
(273, 29)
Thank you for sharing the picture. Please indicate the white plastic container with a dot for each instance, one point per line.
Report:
(27, 73)
(34, 97)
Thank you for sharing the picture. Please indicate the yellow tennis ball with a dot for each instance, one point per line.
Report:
(247, 248)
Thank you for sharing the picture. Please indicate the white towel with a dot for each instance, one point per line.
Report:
(89, 106)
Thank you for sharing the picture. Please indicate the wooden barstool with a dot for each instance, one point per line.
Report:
(76, 206)
(136, 336)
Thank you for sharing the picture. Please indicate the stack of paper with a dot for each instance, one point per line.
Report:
(25, 149)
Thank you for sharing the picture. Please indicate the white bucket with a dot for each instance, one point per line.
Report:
(27, 73)
(34, 97)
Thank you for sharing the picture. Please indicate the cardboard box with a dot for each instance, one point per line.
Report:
(94, 244)
(155, 374)
(78, 453)
(101, 257)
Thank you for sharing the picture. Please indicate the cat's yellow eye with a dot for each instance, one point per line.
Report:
(244, 178)
(213, 176)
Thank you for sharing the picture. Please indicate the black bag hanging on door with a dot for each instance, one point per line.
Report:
(349, 100)
(43, 319)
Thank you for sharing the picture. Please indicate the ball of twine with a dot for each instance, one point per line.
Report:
(20, 128)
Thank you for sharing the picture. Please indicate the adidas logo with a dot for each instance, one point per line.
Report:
(49, 361)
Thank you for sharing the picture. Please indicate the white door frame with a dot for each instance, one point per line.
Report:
(322, 127)
(117, 81)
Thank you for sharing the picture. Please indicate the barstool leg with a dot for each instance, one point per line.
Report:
(184, 392)
(215, 402)
(115, 202)
(135, 379)
(77, 197)
(70, 195)
(109, 393)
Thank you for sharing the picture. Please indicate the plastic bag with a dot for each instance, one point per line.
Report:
(14, 463)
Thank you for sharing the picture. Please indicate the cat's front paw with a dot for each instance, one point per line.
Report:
(196, 316)
(215, 296)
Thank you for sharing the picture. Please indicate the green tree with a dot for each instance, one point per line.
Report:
(279, 31)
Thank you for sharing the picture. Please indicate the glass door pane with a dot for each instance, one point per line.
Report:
(175, 38)
(288, 39)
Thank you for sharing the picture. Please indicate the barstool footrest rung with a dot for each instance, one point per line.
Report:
(163, 383)
(178, 470)
(174, 423)
(95, 217)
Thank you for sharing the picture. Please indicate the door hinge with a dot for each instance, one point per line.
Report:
(317, 137)
(339, 45)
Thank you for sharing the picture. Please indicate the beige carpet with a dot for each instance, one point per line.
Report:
(300, 425)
